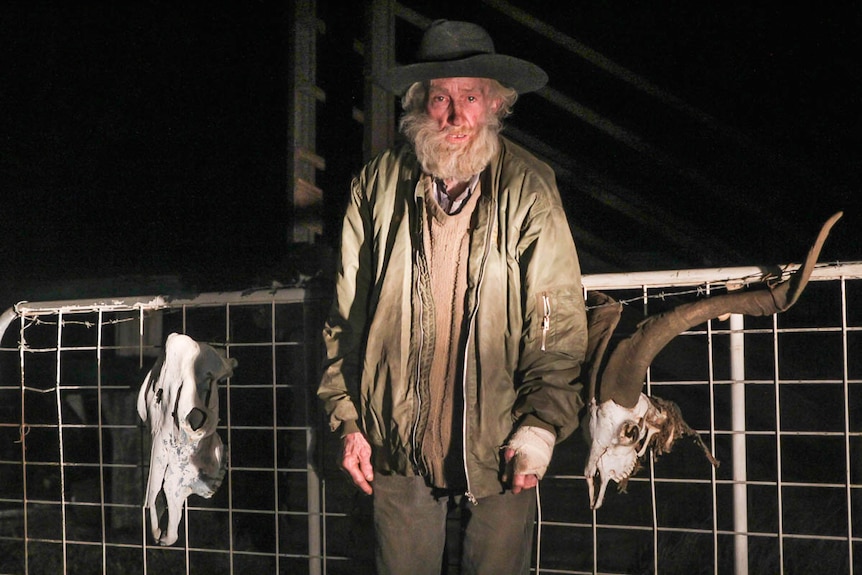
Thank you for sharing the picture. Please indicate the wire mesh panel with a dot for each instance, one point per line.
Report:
(777, 399)
(74, 455)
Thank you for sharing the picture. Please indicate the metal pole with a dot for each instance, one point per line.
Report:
(315, 510)
(737, 396)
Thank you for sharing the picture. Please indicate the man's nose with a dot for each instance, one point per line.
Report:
(455, 114)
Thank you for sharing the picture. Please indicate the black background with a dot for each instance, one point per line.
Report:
(149, 138)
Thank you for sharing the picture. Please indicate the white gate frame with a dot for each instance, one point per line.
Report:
(645, 283)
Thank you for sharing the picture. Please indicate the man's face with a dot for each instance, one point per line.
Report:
(457, 133)
(459, 106)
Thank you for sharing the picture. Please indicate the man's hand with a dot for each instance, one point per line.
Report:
(356, 460)
(520, 481)
(527, 457)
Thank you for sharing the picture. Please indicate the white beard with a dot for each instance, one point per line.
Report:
(444, 160)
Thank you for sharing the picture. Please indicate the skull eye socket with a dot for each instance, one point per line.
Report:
(629, 433)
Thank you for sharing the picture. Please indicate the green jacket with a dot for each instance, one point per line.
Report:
(526, 332)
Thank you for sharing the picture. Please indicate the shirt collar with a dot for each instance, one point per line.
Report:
(452, 205)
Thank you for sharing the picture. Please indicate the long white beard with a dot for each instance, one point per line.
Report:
(451, 161)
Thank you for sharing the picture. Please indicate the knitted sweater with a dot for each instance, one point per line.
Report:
(447, 241)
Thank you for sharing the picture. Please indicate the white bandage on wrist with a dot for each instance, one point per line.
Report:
(533, 447)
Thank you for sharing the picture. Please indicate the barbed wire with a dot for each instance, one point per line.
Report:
(767, 278)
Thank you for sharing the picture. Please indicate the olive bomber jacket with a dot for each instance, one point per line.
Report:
(526, 330)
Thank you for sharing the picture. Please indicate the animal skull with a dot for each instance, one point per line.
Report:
(616, 434)
(179, 402)
(623, 423)
(619, 437)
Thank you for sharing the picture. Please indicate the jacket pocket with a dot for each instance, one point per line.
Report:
(557, 325)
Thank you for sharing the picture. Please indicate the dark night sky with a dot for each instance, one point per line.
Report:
(142, 138)
(149, 137)
(782, 77)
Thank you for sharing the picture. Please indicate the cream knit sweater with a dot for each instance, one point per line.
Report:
(447, 241)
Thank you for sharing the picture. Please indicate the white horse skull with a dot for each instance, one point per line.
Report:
(179, 402)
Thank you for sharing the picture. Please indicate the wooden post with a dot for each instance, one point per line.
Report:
(305, 197)
(379, 114)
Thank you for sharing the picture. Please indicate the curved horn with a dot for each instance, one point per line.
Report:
(624, 375)
(604, 315)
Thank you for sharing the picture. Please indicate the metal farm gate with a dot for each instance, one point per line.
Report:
(75, 454)
(779, 400)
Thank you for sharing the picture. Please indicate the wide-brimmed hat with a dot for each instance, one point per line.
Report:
(451, 49)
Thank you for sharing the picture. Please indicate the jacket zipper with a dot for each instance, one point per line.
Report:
(415, 430)
(546, 319)
(417, 464)
(472, 323)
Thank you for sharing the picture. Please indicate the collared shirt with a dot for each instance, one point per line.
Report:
(453, 205)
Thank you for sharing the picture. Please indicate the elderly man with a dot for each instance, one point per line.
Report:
(457, 333)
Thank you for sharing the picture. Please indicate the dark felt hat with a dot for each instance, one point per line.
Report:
(452, 49)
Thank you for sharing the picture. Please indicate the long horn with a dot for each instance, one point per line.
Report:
(604, 315)
(624, 375)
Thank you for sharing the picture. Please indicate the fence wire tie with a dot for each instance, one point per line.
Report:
(37, 390)
(23, 431)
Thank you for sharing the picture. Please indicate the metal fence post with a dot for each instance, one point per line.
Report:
(740, 490)
(315, 546)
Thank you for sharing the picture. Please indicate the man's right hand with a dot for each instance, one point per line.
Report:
(356, 460)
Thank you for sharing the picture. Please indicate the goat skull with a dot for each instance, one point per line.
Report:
(623, 423)
(616, 434)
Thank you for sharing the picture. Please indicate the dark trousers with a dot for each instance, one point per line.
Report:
(410, 525)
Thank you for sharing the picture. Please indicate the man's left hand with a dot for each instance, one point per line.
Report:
(520, 481)
(527, 456)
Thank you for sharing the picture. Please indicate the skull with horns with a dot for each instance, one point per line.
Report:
(622, 421)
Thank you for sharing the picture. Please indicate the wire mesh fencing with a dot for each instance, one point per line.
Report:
(74, 455)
